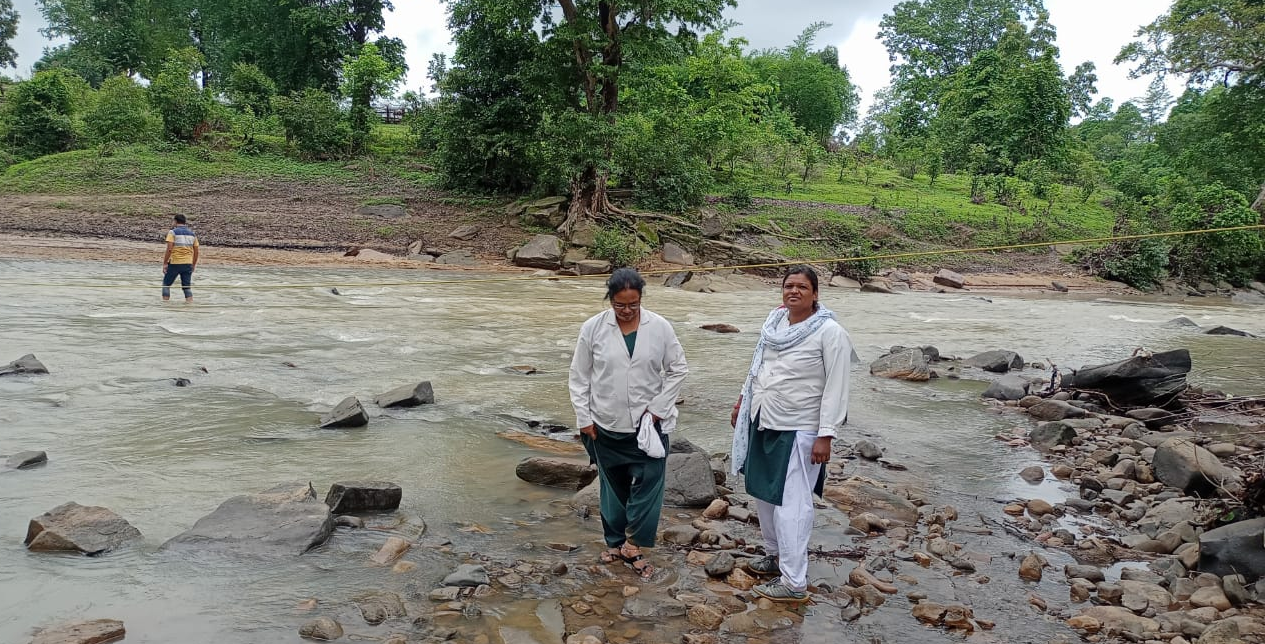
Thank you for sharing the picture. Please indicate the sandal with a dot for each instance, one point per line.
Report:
(646, 570)
(611, 555)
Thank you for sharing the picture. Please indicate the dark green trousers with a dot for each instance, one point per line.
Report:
(632, 487)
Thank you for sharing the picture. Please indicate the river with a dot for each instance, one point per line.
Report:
(119, 434)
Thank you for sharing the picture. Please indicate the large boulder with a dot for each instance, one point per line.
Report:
(1052, 433)
(689, 482)
(1117, 619)
(348, 413)
(1238, 548)
(286, 519)
(27, 364)
(408, 396)
(1140, 381)
(592, 267)
(88, 529)
(363, 496)
(556, 472)
(23, 460)
(996, 361)
(1055, 410)
(97, 631)
(543, 251)
(674, 254)
(856, 496)
(950, 279)
(905, 364)
(1007, 388)
(1194, 470)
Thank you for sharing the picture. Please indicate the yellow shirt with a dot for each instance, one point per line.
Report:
(183, 242)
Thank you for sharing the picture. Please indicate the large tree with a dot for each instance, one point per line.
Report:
(601, 39)
(8, 31)
(127, 37)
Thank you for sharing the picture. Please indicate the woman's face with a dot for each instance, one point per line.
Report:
(627, 304)
(798, 294)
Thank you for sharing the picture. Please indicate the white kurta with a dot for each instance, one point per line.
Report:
(613, 390)
(803, 389)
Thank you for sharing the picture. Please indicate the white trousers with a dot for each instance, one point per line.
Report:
(787, 527)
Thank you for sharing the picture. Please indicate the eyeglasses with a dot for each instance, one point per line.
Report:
(626, 307)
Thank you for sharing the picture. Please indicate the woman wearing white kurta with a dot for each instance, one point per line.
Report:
(794, 401)
(626, 373)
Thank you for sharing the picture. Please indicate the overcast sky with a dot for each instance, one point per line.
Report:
(1093, 30)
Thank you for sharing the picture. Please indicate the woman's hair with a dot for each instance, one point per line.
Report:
(806, 271)
(624, 279)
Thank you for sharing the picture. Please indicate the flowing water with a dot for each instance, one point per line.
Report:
(120, 435)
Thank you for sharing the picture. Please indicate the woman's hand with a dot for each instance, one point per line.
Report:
(590, 431)
(733, 417)
(821, 450)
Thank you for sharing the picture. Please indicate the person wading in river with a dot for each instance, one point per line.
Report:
(626, 374)
(180, 259)
(793, 402)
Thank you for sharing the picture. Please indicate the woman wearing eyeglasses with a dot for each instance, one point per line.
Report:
(626, 374)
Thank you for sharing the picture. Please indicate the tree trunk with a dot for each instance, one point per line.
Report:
(588, 200)
(1259, 204)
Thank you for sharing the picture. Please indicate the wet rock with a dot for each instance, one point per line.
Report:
(1192, 469)
(958, 617)
(322, 628)
(557, 472)
(467, 576)
(860, 578)
(721, 328)
(1181, 322)
(1152, 417)
(717, 510)
(1139, 595)
(1235, 591)
(681, 534)
(648, 605)
(379, 606)
(1137, 381)
(689, 482)
(1225, 631)
(1007, 388)
(1115, 620)
(408, 396)
(868, 450)
(459, 257)
(946, 277)
(929, 613)
(1030, 567)
(348, 521)
(23, 460)
(1211, 596)
(26, 365)
(363, 496)
(705, 617)
(97, 631)
(996, 361)
(839, 281)
(877, 287)
(1047, 435)
(905, 364)
(720, 565)
(543, 251)
(867, 522)
(1091, 573)
(286, 519)
(348, 413)
(89, 530)
(393, 549)
(1040, 507)
(855, 496)
(1085, 623)
(1055, 410)
(741, 580)
(1225, 330)
(1032, 474)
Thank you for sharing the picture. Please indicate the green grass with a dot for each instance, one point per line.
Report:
(382, 201)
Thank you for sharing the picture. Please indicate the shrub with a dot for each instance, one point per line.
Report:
(740, 196)
(314, 123)
(122, 114)
(1235, 256)
(39, 115)
(250, 90)
(618, 247)
(181, 104)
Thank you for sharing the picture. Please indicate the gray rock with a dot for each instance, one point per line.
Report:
(1192, 469)
(681, 534)
(1032, 474)
(457, 258)
(839, 281)
(27, 364)
(1053, 410)
(543, 251)
(1140, 595)
(556, 472)
(363, 496)
(905, 364)
(97, 631)
(720, 565)
(1007, 388)
(674, 254)
(1182, 323)
(407, 396)
(23, 460)
(1225, 631)
(348, 413)
(347, 521)
(689, 481)
(677, 279)
(1238, 548)
(1091, 573)
(465, 233)
(323, 629)
(652, 605)
(868, 450)
(592, 267)
(1235, 591)
(856, 496)
(286, 519)
(1058, 286)
(89, 530)
(378, 606)
(1048, 434)
(384, 210)
(1225, 330)
(877, 287)
(1137, 381)
(946, 277)
(996, 361)
(467, 576)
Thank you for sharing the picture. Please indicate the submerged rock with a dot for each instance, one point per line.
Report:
(1007, 388)
(286, 519)
(97, 631)
(997, 361)
(905, 364)
(348, 413)
(856, 496)
(407, 396)
(1225, 330)
(27, 364)
(363, 496)
(90, 530)
(323, 629)
(23, 460)
(467, 576)
(556, 472)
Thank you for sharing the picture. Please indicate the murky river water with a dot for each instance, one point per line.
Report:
(120, 435)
